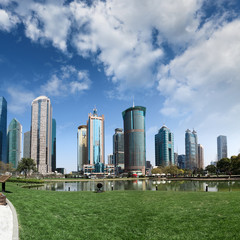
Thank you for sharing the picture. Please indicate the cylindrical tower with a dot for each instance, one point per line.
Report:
(134, 139)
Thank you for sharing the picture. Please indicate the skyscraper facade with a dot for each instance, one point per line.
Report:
(164, 147)
(95, 137)
(134, 139)
(191, 149)
(118, 148)
(27, 145)
(14, 142)
(221, 147)
(54, 144)
(200, 157)
(41, 134)
(3, 130)
(181, 161)
(82, 148)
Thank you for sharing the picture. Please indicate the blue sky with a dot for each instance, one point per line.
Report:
(179, 58)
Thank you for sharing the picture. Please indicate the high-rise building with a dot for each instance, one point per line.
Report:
(191, 149)
(200, 157)
(181, 161)
(221, 147)
(134, 139)
(82, 148)
(3, 130)
(41, 134)
(164, 147)
(27, 145)
(54, 145)
(110, 159)
(14, 142)
(95, 137)
(118, 148)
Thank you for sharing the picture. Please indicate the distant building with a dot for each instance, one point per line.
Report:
(181, 161)
(200, 157)
(14, 142)
(118, 148)
(27, 145)
(54, 145)
(134, 139)
(61, 170)
(221, 147)
(82, 149)
(41, 134)
(164, 147)
(191, 149)
(176, 159)
(110, 159)
(3, 130)
(95, 136)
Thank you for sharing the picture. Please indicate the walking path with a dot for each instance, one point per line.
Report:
(8, 222)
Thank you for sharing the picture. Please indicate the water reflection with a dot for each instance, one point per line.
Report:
(143, 185)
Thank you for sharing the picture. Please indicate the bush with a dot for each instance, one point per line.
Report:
(23, 180)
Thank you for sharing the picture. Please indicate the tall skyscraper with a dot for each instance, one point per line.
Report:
(164, 147)
(82, 148)
(14, 142)
(27, 145)
(200, 157)
(41, 134)
(181, 161)
(3, 130)
(134, 139)
(221, 147)
(118, 148)
(191, 149)
(95, 136)
(53, 145)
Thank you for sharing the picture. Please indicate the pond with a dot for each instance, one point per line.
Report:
(143, 185)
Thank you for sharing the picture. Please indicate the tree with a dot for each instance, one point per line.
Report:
(157, 170)
(211, 168)
(224, 165)
(26, 165)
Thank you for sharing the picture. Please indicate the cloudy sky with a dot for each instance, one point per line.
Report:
(178, 58)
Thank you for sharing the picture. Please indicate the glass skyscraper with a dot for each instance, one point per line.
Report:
(53, 145)
(134, 139)
(221, 147)
(118, 148)
(200, 157)
(82, 149)
(181, 161)
(27, 145)
(3, 130)
(14, 142)
(41, 134)
(164, 147)
(191, 150)
(95, 137)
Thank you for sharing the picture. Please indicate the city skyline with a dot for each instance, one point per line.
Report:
(180, 62)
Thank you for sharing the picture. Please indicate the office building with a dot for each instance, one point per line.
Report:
(110, 159)
(95, 137)
(41, 134)
(54, 144)
(82, 148)
(200, 157)
(3, 130)
(164, 147)
(191, 150)
(27, 145)
(14, 142)
(181, 161)
(134, 139)
(221, 147)
(118, 148)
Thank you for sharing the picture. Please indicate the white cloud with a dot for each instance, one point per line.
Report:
(21, 99)
(7, 20)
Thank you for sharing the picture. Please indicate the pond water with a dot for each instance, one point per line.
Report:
(143, 185)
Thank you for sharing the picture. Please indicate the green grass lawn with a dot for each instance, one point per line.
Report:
(124, 215)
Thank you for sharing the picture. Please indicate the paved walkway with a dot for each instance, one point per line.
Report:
(6, 222)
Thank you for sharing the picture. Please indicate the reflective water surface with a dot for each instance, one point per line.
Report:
(213, 186)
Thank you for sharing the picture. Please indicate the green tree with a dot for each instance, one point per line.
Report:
(235, 164)
(157, 170)
(211, 169)
(224, 165)
(26, 165)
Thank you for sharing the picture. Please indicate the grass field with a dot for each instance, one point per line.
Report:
(48, 215)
